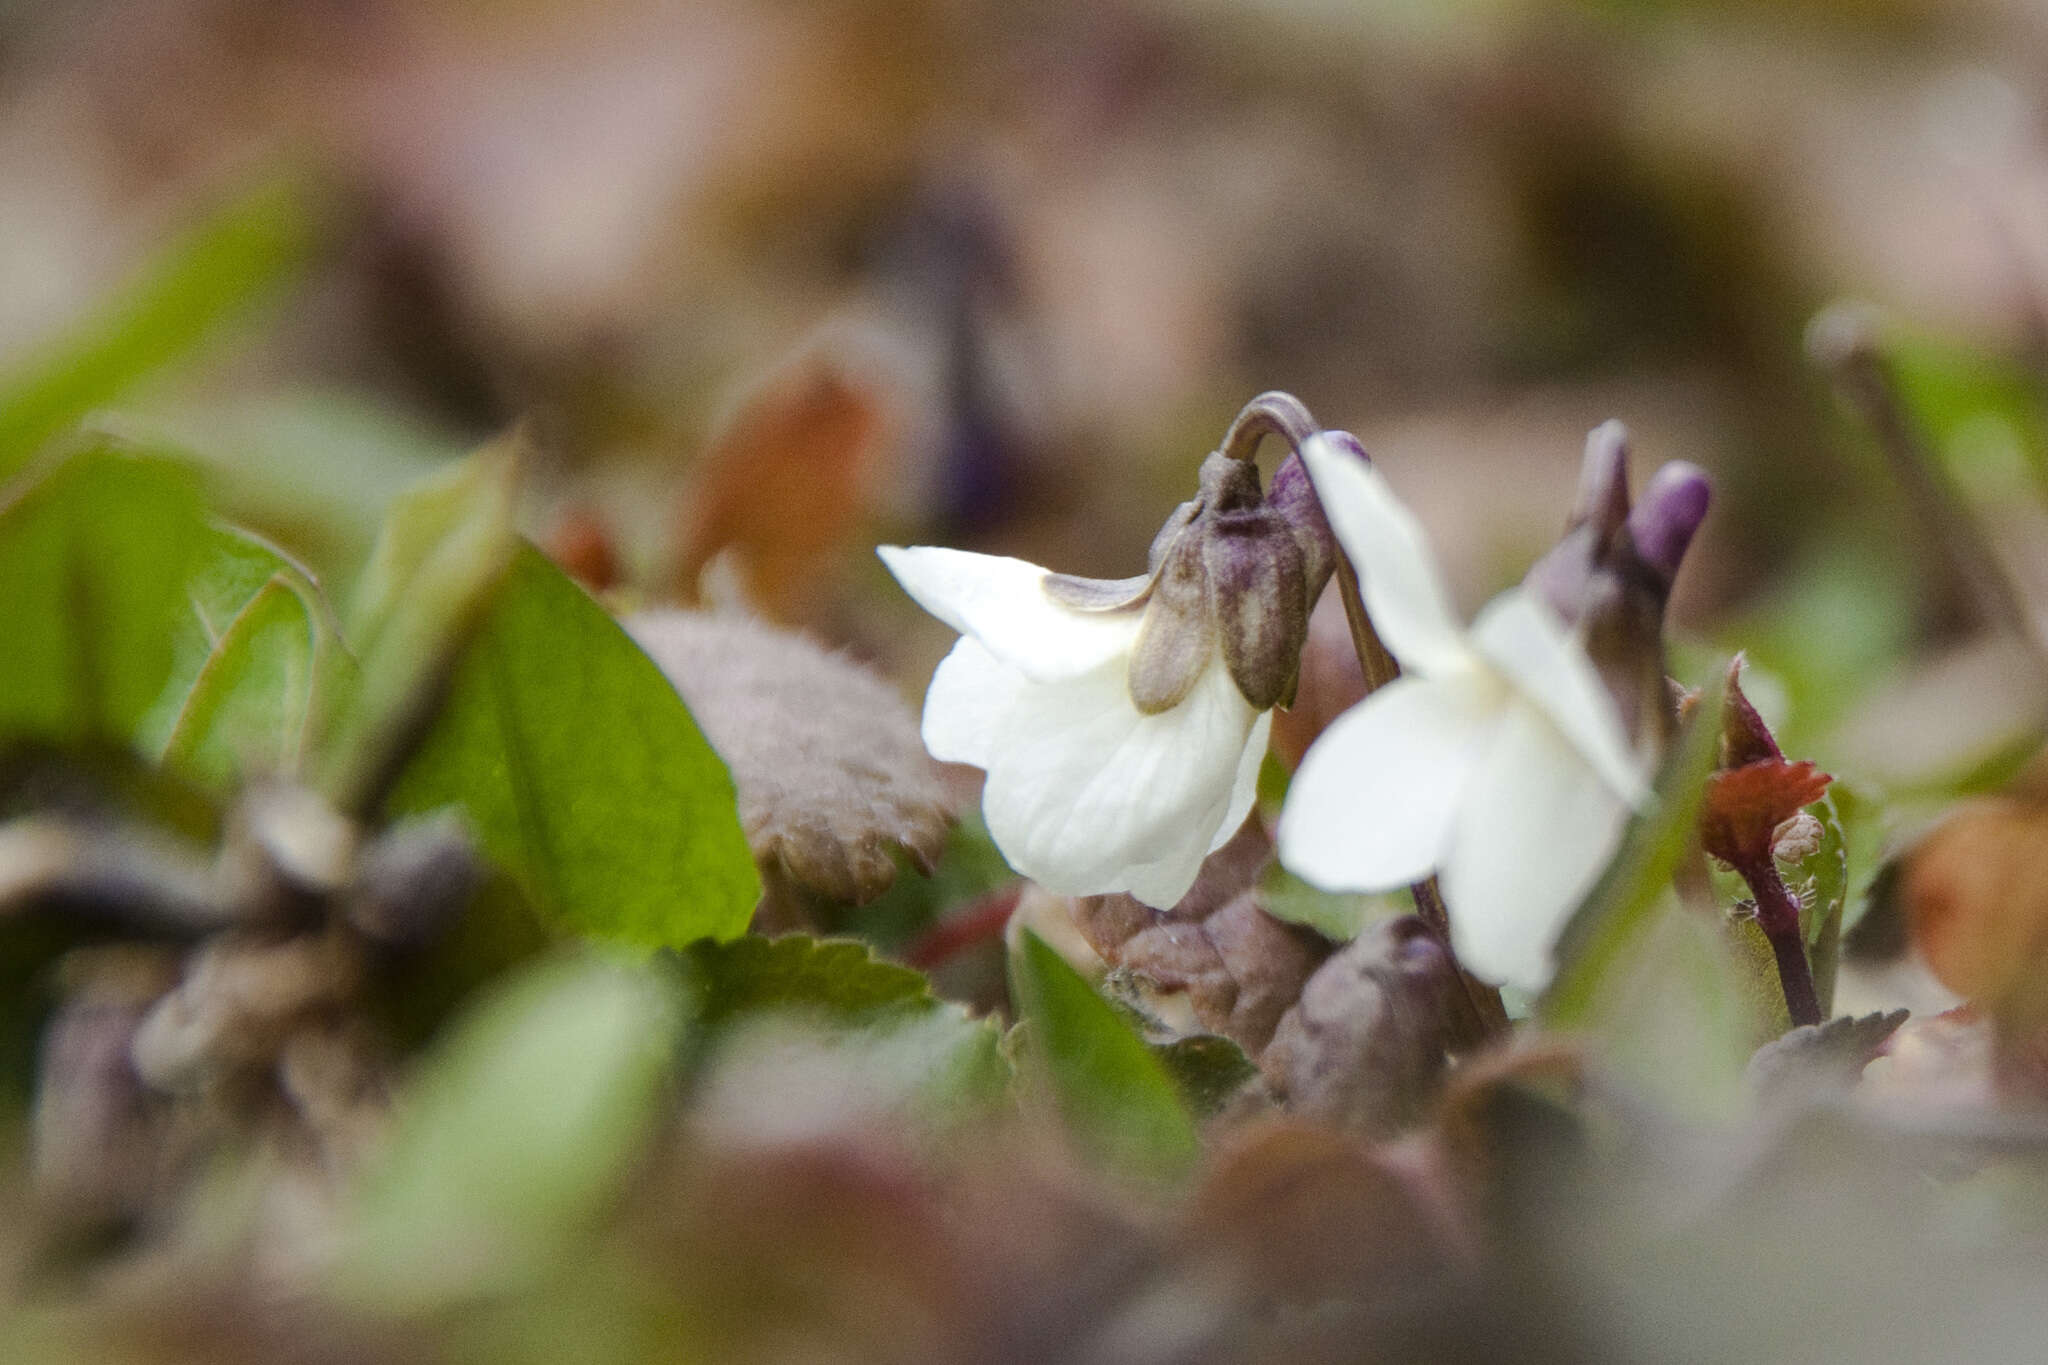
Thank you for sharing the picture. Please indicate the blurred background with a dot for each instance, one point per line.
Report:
(771, 282)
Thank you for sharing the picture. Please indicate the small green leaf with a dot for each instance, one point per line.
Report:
(1114, 1096)
(252, 656)
(1209, 1071)
(519, 1129)
(94, 558)
(1337, 916)
(437, 563)
(247, 713)
(1824, 880)
(826, 1015)
(315, 468)
(1982, 412)
(839, 979)
(581, 771)
(241, 254)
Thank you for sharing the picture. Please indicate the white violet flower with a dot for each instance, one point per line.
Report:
(1122, 724)
(1498, 760)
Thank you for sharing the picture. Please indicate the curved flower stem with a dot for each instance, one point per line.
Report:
(1482, 1016)
(1272, 413)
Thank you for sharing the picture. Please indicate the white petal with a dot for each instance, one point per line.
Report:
(1373, 804)
(1083, 790)
(1397, 575)
(968, 703)
(1163, 882)
(1245, 789)
(1002, 602)
(1522, 637)
(1535, 829)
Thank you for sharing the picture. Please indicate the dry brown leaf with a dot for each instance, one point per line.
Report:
(783, 485)
(833, 778)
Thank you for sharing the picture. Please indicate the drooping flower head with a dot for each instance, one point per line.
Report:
(1501, 760)
(1121, 722)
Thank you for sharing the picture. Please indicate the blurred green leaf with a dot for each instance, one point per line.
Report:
(1338, 916)
(837, 979)
(826, 1014)
(1982, 412)
(581, 770)
(1112, 1093)
(1823, 881)
(1651, 977)
(517, 1132)
(1841, 622)
(315, 468)
(444, 548)
(242, 253)
(247, 713)
(257, 647)
(1631, 892)
(94, 558)
(1209, 1071)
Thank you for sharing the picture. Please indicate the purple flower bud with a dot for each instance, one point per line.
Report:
(1663, 523)
(1294, 498)
(1611, 573)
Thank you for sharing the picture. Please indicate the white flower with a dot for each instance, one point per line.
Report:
(1497, 760)
(1085, 793)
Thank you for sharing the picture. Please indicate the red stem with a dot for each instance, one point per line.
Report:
(1777, 914)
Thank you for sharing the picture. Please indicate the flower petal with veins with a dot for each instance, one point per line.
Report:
(1397, 574)
(1003, 603)
(1083, 788)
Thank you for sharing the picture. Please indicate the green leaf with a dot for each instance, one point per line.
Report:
(247, 713)
(581, 771)
(1824, 880)
(838, 979)
(826, 1017)
(1982, 412)
(1337, 916)
(317, 469)
(518, 1131)
(1648, 976)
(1208, 1071)
(244, 252)
(1113, 1095)
(1631, 892)
(444, 548)
(94, 558)
(251, 657)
